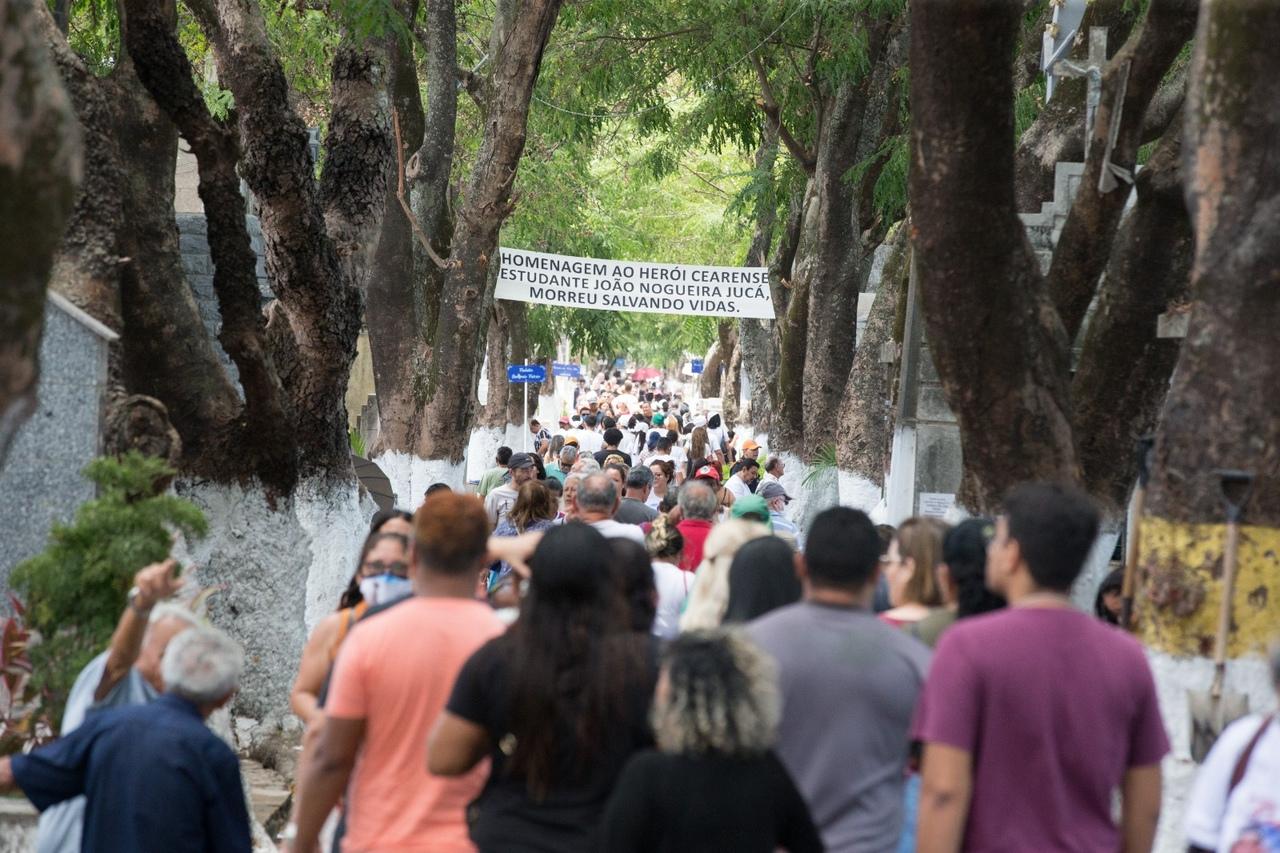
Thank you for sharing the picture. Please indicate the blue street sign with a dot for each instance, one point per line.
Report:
(696, 365)
(564, 368)
(526, 373)
(619, 363)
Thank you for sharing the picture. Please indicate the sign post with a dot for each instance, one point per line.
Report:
(525, 374)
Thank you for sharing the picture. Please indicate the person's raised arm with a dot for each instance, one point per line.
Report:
(151, 585)
(1140, 807)
(946, 788)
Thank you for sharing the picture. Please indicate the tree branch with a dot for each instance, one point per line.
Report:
(423, 239)
(769, 105)
(1128, 85)
(1148, 270)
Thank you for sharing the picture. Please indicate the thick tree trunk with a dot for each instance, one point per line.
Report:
(1130, 83)
(1215, 415)
(516, 317)
(317, 239)
(40, 168)
(1148, 272)
(494, 413)
(449, 386)
(1221, 411)
(865, 428)
(1000, 349)
(262, 441)
(392, 312)
(829, 259)
(709, 381)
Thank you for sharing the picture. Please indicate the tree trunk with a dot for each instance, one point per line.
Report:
(516, 316)
(709, 380)
(392, 312)
(40, 168)
(730, 363)
(866, 418)
(756, 343)
(449, 387)
(1000, 350)
(1220, 412)
(1148, 272)
(494, 413)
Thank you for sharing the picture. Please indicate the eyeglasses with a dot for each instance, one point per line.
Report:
(377, 567)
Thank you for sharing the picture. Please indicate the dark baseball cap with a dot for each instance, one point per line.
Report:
(521, 460)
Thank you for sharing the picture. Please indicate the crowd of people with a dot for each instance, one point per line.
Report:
(623, 644)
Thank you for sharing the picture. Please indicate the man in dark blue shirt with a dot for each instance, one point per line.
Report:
(156, 779)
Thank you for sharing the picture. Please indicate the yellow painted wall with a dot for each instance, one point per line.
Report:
(1182, 587)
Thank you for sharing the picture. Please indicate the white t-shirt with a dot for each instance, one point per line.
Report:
(611, 529)
(1250, 818)
(499, 503)
(737, 487)
(673, 588)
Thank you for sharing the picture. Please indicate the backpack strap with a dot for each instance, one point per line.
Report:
(1242, 763)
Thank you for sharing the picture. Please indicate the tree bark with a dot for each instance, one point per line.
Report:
(393, 314)
(756, 342)
(449, 388)
(1130, 82)
(1000, 349)
(709, 380)
(730, 361)
(317, 239)
(40, 168)
(1220, 412)
(517, 323)
(865, 428)
(1147, 273)
(263, 438)
(494, 413)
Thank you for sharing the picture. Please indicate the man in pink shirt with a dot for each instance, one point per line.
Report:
(389, 685)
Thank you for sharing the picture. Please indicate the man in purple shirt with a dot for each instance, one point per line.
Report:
(1032, 717)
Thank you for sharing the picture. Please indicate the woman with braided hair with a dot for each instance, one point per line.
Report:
(713, 783)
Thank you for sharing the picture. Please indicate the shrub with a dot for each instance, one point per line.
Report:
(76, 588)
(24, 723)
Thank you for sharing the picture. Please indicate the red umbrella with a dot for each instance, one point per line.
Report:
(644, 374)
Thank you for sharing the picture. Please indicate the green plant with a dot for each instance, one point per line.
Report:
(24, 724)
(356, 440)
(76, 587)
(822, 462)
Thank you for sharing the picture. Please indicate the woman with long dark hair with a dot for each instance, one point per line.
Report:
(558, 703)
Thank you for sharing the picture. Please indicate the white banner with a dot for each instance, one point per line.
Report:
(607, 285)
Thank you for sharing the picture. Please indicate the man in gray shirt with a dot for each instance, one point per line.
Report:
(849, 684)
(634, 509)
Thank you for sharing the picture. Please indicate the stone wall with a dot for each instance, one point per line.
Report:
(41, 481)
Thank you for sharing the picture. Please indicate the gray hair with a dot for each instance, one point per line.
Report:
(568, 456)
(597, 493)
(586, 465)
(174, 610)
(698, 500)
(202, 665)
(723, 696)
(639, 477)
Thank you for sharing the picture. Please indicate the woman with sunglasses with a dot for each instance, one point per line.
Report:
(381, 576)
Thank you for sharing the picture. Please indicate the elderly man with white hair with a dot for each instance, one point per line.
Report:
(155, 778)
(127, 673)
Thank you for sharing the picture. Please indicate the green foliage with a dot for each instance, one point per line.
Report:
(1027, 105)
(823, 461)
(356, 440)
(75, 588)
